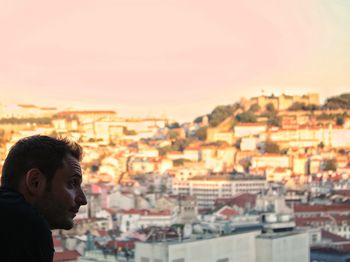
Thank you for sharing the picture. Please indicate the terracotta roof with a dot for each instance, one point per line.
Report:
(48, 108)
(174, 153)
(66, 255)
(145, 212)
(333, 237)
(319, 220)
(85, 112)
(102, 233)
(27, 106)
(320, 208)
(227, 212)
(192, 148)
(57, 242)
(343, 192)
(242, 200)
(309, 221)
(251, 124)
(130, 244)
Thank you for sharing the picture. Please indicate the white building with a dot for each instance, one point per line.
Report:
(285, 246)
(245, 244)
(208, 188)
(237, 247)
(249, 129)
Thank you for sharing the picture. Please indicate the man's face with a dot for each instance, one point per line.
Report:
(61, 202)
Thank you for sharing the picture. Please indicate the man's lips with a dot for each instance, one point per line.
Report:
(74, 211)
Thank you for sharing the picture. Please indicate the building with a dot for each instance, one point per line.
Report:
(270, 160)
(243, 243)
(289, 246)
(281, 102)
(26, 111)
(209, 188)
(249, 129)
(236, 247)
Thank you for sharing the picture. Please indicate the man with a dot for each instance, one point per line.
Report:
(40, 190)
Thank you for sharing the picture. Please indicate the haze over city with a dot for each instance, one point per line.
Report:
(173, 58)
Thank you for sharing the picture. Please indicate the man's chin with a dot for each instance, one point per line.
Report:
(66, 225)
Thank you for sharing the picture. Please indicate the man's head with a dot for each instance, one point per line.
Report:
(46, 171)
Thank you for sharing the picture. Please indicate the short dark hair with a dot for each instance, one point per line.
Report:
(42, 152)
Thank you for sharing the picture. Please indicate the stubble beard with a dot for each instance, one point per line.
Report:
(54, 212)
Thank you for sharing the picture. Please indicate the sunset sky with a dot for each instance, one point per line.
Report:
(177, 58)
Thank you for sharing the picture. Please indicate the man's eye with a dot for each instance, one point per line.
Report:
(74, 183)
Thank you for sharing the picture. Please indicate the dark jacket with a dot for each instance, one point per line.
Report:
(24, 234)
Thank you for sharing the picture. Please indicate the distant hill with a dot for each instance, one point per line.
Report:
(222, 112)
(338, 102)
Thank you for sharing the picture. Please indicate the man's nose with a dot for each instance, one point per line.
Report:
(81, 198)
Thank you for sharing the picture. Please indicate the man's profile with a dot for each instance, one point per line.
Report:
(40, 190)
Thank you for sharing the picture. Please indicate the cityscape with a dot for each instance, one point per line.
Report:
(211, 131)
(263, 179)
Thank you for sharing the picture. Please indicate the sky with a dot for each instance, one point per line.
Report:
(177, 58)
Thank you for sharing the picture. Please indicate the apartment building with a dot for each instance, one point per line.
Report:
(207, 189)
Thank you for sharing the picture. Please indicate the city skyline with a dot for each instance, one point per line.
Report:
(154, 58)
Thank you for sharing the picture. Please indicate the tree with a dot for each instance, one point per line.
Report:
(174, 125)
(338, 102)
(180, 162)
(270, 107)
(201, 133)
(254, 108)
(130, 132)
(30, 120)
(220, 113)
(164, 150)
(320, 145)
(330, 165)
(246, 117)
(271, 147)
(172, 134)
(273, 120)
(297, 106)
(340, 120)
(199, 119)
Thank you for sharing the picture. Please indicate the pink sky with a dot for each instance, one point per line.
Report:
(175, 58)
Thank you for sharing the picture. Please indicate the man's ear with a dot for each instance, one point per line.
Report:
(35, 181)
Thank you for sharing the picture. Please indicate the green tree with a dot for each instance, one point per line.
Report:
(201, 133)
(254, 108)
(296, 106)
(174, 125)
(172, 134)
(30, 120)
(330, 165)
(246, 117)
(340, 120)
(220, 113)
(164, 150)
(199, 119)
(273, 120)
(271, 147)
(338, 102)
(180, 162)
(130, 132)
(270, 107)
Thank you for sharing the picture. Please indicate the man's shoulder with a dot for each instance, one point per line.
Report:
(16, 212)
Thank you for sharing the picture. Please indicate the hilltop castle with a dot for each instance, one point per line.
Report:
(281, 102)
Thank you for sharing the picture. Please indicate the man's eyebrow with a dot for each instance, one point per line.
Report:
(77, 175)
